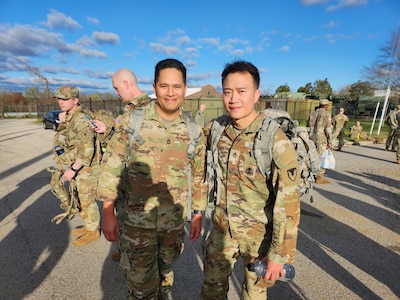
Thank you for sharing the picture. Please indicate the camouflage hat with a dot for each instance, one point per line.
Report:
(324, 102)
(66, 92)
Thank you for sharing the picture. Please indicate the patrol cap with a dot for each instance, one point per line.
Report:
(66, 92)
(324, 102)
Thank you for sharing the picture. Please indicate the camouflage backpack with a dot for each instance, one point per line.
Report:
(135, 123)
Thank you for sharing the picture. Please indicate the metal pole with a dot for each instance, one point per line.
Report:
(383, 110)
(373, 121)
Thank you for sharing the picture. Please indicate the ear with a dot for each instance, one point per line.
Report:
(256, 96)
(154, 89)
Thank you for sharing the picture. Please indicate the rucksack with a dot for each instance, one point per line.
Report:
(307, 155)
(135, 123)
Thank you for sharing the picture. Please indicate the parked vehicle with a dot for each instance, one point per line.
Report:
(51, 120)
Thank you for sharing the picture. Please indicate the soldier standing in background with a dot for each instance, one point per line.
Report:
(126, 87)
(155, 186)
(391, 141)
(82, 160)
(397, 134)
(253, 219)
(320, 123)
(339, 126)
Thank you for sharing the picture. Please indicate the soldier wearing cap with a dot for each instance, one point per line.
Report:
(320, 123)
(80, 162)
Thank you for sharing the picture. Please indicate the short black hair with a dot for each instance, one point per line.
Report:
(169, 63)
(242, 67)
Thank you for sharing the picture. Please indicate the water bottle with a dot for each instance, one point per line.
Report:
(260, 268)
(58, 150)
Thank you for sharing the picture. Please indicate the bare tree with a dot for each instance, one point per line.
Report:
(385, 70)
(35, 71)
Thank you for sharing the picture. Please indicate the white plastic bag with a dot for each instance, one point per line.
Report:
(328, 160)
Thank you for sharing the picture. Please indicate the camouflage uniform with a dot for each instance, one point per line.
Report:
(154, 202)
(78, 141)
(320, 123)
(397, 134)
(355, 132)
(250, 220)
(391, 141)
(339, 125)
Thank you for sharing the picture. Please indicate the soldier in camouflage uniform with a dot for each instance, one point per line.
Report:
(320, 123)
(339, 126)
(126, 87)
(254, 219)
(154, 185)
(397, 134)
(82, 160)
(391, 141)
(356, 131)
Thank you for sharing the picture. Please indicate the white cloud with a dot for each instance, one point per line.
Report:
(160, 48)
(93, 21)
(57, 20)
(105, 37)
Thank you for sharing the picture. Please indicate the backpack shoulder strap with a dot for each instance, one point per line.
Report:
(213, 171)
(263, 145)
(135, 122)
(194, 133)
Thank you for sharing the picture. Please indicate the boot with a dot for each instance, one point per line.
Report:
(321, 180)
(116, 256)
(79, 231)
(87, 238)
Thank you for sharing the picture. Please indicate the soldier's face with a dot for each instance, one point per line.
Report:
(170, 90)
(67, 104)
(239, 95)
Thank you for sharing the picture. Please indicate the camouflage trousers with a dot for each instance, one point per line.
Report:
(221, 253)
(392, 139)
(86, 185)
(146, 258)
(321, 147)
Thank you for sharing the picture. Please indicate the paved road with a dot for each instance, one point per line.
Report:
(348, 248)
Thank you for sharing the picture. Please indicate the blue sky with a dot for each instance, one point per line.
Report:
(83, 43)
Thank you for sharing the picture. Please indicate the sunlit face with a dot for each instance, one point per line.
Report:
(170, 91)
(240, 95)
(68, 105)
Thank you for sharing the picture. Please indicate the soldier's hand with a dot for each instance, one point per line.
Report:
(110, 224)
(274, 271)
(101, 126)
(195, 227)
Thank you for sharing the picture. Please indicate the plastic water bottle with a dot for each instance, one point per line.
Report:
(260, 268)
(58, 150)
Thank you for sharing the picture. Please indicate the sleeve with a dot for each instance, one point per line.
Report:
(286, 209)
(112, 168)
(199, 183)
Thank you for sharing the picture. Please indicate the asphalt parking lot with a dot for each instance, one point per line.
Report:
(348, 244)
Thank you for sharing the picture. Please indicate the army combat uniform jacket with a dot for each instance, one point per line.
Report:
(264, 218)
(320, 123)
(154, 183)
